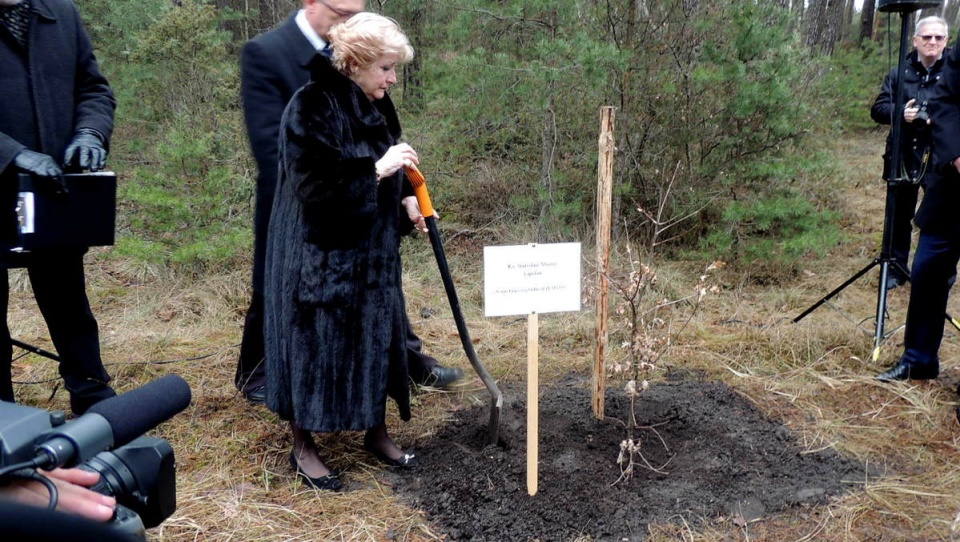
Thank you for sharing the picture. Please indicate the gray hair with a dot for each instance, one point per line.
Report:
(932, 19)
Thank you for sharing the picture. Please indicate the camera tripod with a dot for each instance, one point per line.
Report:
(34, 349)
(887, 265)
(884, 260)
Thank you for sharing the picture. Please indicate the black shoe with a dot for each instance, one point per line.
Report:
(407, 461)
(80, 402)
(904, 371)
(256, 396)
(329, 482)
(895, 280)
(441, 377)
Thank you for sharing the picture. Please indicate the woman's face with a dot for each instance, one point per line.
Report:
(377, 78)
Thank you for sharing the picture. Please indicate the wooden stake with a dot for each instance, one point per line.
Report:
(604, 228)
(533, 401)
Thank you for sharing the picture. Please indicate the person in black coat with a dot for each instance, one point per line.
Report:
(938, 249)
(921, 74)
(336, 325)
(56, 110)
(273, 66)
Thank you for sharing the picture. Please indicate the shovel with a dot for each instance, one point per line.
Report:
(426, 208)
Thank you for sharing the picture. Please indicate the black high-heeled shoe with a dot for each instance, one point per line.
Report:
(329, 482)
(407, 461)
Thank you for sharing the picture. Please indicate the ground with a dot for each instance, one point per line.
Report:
(716, 459)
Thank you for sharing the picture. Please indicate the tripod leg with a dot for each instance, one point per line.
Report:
(881, 307)
(34, 349)
(836, 291)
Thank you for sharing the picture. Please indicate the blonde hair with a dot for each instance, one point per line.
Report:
(362, 39)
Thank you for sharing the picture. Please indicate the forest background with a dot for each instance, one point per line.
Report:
(742, 135)
(720, 111)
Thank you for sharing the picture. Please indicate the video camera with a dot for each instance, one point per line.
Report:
(139, 471)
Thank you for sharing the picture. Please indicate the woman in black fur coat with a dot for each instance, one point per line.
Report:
(335, 327)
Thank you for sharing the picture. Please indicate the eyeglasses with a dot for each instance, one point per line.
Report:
(932, 37)
(346, 13)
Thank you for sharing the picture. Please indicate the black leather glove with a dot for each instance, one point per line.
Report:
(43, 166)
(86, 151)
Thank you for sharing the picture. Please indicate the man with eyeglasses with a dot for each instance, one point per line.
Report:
(922, 72)
(938, 248)
(273, 66)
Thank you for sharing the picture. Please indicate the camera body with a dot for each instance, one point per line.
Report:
(141, 475)
(922, 115)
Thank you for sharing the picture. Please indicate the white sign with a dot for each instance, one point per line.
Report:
(527, 279)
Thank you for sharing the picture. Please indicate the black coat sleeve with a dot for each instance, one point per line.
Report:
(882, 110)
(338, 191)
(261, 90)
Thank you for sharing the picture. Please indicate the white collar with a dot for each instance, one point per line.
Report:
(308, 31)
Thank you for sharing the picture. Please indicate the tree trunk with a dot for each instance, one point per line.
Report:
(867, 15)
(848, 12)
(548, 140)
(641, 11)
(239, 27)
(823, 24)
(951, 11)
(412, 77)
(254, 16)
(814, 17)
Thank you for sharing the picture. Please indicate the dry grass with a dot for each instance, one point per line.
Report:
(814, 376)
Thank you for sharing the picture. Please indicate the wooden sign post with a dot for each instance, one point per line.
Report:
(533, 401)
(604, 228)
(531, 279)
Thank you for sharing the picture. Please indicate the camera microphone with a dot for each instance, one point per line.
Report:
(114, 422)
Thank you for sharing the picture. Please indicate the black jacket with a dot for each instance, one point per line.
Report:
(918, 84)
(47, 92)
(938, 210)
(273, 66)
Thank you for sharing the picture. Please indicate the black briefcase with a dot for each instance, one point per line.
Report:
(85, 216)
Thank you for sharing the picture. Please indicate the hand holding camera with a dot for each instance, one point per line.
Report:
(133, 473)
(913, 112)
(75, 497)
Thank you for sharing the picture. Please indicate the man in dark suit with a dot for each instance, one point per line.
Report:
(56, 111)
(273, 66)
(920, 76)
(938, 248)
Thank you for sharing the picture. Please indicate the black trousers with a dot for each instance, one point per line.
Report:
(250, 367)
(904, 196)
(59, 287)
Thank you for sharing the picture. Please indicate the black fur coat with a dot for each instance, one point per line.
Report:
(335, 327)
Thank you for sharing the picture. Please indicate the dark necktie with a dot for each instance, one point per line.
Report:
(327, 51)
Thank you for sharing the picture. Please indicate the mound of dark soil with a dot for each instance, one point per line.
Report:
(718, 456)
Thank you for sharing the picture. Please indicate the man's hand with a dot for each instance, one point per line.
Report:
(74, 497)
(86, 151)
(43, 166)
(910, 110)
